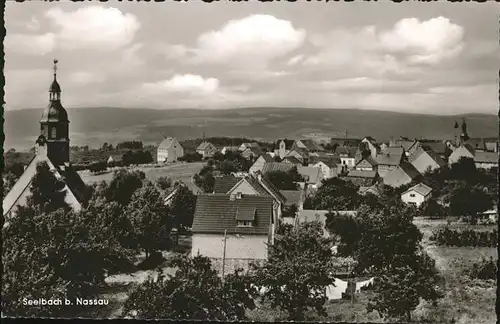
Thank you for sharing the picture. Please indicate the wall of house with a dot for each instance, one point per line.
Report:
(325, 170)
(245, 188)
(350, 162)
(413, 197)
(237, 247)
(486, 165)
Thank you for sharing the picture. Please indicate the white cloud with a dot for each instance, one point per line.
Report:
(33, 25)
(81, 78)
(428, 41)
(30, 44)
(189, 83)
(93, 27)
(253, 40)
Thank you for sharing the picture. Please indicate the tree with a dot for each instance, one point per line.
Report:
(377, 237)
(47, 192)
(466, 200)
(123, 186)
(150, 218)
(194, 292)
(298, 270)
(164, 182)
(9, 180)
(463, 169)
(399, 288)
(432, 208)
(227, 167)
(183, 206)
(336, 194)
(205, 180)
(98, 167)
(285, 180)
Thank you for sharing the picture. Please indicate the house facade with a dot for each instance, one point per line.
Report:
(247, 221)
(486, 160)
(366, 164)
(206, 149)
(372, 146)
(169, 150)
(417, 194)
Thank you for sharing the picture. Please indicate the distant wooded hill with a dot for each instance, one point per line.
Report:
(94, 126)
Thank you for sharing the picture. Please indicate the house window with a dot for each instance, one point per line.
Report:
(54, 132)
(245, 223)
(238, 195)
(412, 195)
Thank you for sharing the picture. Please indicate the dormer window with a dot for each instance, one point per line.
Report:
(245, 224)
(238, 195)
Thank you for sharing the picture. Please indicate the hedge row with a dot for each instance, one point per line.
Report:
(466, 237)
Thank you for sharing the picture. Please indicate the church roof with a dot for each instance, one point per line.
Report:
(55, 87)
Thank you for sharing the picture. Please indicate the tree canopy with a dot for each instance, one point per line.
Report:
(335, 194)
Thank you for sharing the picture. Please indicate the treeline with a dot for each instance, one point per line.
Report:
(136, 157)
(132, 145)
(192, 144)
(467, 237)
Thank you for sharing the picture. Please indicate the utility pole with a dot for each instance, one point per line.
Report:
(224, 255)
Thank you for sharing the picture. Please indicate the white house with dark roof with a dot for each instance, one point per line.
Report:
(417, 194)
(52, 148)
(206, 149)
(247, 219)
(169, 150)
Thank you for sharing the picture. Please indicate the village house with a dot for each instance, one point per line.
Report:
(366, 164)
(258, 165)
(373, 189)
(246, 146)
(426, 159)
(463, 151)
(251, 153)
(300, 154)
(169, 150)
(312, 176)
(440, 147)
(307, 145)
(206, 149)
(277, 166)
(383, 147)
(361, 178)
(293, 160)
(486, 160)
(52, 148)
(388, 160)
(417, 194)
(223, 184)
(372, 146)
(328, 166)
(282, 147)
(227, 149)
(347, 156)
(403, 174)
(247, 220)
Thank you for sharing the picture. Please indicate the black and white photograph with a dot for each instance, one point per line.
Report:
(307, 161)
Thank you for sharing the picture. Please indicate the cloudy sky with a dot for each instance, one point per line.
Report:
(438, 58)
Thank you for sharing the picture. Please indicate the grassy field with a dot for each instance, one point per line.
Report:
(181, 171)
(465, 300)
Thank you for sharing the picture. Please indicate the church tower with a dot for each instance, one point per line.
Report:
(54, 125)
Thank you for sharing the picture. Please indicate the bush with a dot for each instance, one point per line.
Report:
(484, 269)
(466, 237)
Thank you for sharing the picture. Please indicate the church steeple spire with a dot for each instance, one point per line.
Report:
(55, 88)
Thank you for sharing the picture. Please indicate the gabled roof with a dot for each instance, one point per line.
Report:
(438, 147)
(225, 183)
(401, 175)
(311, 145)
(414, 158)
(330, 161)
(217, 212)
(167, 143)
(390, 156)
(251, 150)
(469, 148)
(369, 160)
(293, 196)
(267, 157)
(205, 145)
(420, 188)
(346, 151)
(277, 166)
(486, 157)
(311, 175)
(75, 187)
(373, 189)
(269, 187)
(362, 174)
(292, 159)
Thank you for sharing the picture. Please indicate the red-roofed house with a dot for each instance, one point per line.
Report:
(417, 194)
